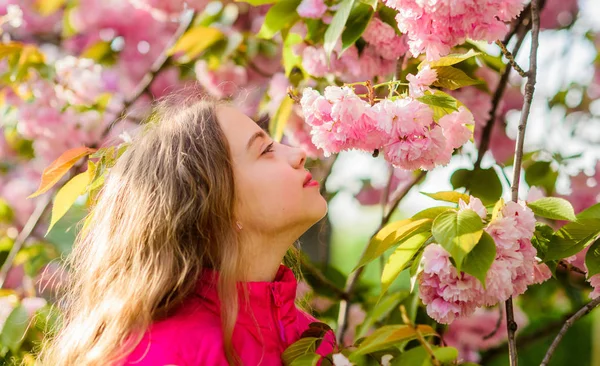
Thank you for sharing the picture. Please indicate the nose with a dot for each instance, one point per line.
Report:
(297, 157)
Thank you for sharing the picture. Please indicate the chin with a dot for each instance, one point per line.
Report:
(320, 209)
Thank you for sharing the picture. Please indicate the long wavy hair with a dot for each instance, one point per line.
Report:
(166, 211)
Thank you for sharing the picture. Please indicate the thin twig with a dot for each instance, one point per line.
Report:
(352, 280)
(526, 339)
(572, 268)
(420, 338)
(498, 324)
(511, 325)
(39, 211)
(511, 59)
(43, 204)
(583, 311)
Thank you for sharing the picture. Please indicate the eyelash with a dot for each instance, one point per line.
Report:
(268, 149)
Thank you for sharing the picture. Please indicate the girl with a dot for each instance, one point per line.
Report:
(181, 264)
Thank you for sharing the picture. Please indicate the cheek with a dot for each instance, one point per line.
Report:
(271, 192)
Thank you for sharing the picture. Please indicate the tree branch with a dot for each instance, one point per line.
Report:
(352, 280)
(497, 97)
(511, 325)
(318, 275)
(583, 311)
(511, 59)
(159, 64)
(44, 203)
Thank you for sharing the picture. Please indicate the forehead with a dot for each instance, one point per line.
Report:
(237, 127)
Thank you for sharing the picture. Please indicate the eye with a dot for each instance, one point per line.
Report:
(268, 149)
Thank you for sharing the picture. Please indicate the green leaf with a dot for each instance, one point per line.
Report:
(458, 233)
(592, 212)
(389, 335)
(446, 354)
(541, 174)
(388, 16)
(299, 348)
(553, 208)
(541, 239)
(357, 23)
(478, 262)
(414, 356)
(452, 78)
(440, 102)
(431, 212)
(481, 183)
(392, 234)
(399, 260)
(371, 3)
(449, 196)
(379, 311)
(279, 120)
(336, 27)
(450, 59)
(280, 16)
(14, 329)
(310, 359)
(195, 41)
(290, 59)
(572, 238)
(67, 195)
(592, 259)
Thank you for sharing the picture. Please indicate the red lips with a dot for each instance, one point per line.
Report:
(309, 182)
(307, 179)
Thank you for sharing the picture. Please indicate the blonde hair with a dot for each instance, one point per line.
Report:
(166, 211)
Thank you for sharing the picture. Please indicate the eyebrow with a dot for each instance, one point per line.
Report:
(254, 137)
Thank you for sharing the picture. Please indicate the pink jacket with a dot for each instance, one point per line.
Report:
(192, 336)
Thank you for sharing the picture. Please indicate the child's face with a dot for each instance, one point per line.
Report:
(272, 197)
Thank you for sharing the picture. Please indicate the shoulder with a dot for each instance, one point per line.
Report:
(189, 337)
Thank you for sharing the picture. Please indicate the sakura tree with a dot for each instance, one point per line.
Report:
(504, 260)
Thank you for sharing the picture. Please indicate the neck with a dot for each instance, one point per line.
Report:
(264, 256)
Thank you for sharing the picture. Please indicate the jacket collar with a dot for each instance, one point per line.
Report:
(266, 300)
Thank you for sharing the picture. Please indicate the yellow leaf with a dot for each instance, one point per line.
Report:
(280, 119)
(47, 7)
(66, 196)
(196, 40)
(450, 59)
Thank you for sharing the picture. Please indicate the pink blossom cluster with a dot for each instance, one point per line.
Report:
(469, 334)
(314, 9)
(449, 294)
(403, 128)
(435, 26)
(383, 38)
(137, 36)
(348, 66)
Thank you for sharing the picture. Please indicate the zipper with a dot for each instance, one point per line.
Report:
(277, 315)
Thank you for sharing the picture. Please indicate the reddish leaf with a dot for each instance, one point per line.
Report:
(60, 167)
